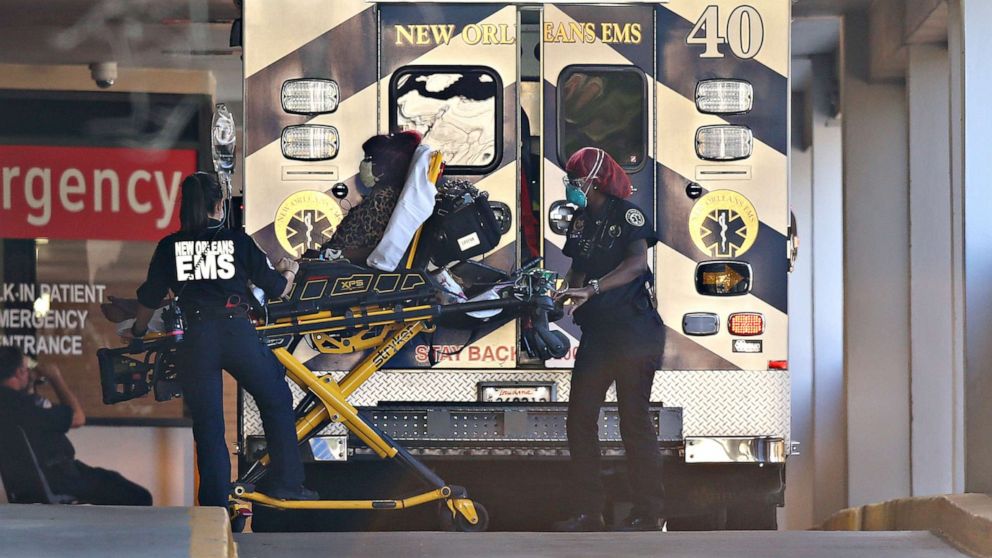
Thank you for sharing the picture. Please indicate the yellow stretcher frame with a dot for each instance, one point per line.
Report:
(334, 406)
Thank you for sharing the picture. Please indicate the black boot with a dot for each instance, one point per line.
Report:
(299, 493)
(583, 522)
(641, 522)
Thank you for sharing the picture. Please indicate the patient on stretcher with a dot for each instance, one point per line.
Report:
(376, 232)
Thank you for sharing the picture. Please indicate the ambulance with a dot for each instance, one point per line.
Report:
(691, 97)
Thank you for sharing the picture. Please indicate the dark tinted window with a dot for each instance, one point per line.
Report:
(605, 107)
(458, 109)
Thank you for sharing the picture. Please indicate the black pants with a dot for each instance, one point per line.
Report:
(232, 344)
(599, 363)
(92, 485)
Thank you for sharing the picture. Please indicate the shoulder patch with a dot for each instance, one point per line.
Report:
(635, 217)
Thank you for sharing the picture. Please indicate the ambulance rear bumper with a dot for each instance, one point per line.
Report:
(746, 412)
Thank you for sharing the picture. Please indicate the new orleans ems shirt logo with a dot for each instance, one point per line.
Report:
(723, 223)
(305, 220)
(203, 259)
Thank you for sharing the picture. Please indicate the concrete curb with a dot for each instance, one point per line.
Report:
(55, 531)
(964, 520)
(210, 534)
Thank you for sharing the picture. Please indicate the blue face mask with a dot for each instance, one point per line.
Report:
(575, 196)
(576, 189)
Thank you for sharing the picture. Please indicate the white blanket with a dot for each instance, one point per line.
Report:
(415, 205)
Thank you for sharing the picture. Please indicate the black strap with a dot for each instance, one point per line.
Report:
(432, 354)
(217, 313)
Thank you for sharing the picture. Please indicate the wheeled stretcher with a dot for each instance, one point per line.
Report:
(344, 308)
(384, 326)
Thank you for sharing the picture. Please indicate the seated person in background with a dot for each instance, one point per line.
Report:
(46, 425)
(384, 171)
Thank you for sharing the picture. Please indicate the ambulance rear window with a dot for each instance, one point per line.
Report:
(604, 107)
(458, 109)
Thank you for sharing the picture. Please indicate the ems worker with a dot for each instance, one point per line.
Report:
(612, 296)
(207, 266)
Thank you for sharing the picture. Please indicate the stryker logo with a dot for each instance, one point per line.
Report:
(204, 260)
(382, 356)
(90, 192)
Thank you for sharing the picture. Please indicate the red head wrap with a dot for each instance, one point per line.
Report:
(605, 174)
(392, 153)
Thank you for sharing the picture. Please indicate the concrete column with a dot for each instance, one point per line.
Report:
(931, 271)
(825, 249)
(955, 53)
(975, 19)
(876, 273)
(799, 492)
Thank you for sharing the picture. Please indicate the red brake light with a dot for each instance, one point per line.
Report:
(778, 365)
(746, 324)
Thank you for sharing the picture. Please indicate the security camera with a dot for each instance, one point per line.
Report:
(104, 74)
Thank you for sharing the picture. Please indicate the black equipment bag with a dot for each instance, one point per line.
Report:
(463, 224)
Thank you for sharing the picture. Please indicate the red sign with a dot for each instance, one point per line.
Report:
(108, 193)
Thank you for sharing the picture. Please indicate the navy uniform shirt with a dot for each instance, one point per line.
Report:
(214, 265)
(45, 427)
(598, 244)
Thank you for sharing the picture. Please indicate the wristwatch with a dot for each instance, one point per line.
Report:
(594, 283)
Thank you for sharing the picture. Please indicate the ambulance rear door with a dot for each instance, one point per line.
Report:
(722, 161)
(598, 74)
(449, 71)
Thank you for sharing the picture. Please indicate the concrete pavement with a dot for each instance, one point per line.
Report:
(38, 531)
(788, 544)
(42, 531)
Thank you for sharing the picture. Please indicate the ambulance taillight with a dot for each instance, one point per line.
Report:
(724, 96)
(746, 324)
(310, 142)
(724, 143)
(310, 96)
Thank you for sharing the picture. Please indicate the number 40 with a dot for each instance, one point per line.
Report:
(745, 32)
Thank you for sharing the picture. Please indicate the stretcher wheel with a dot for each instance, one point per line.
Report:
(238, 513)
(458, 523)
(238, 523)
(462, 525)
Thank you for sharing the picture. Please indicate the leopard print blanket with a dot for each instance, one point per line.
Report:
(365, 224)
